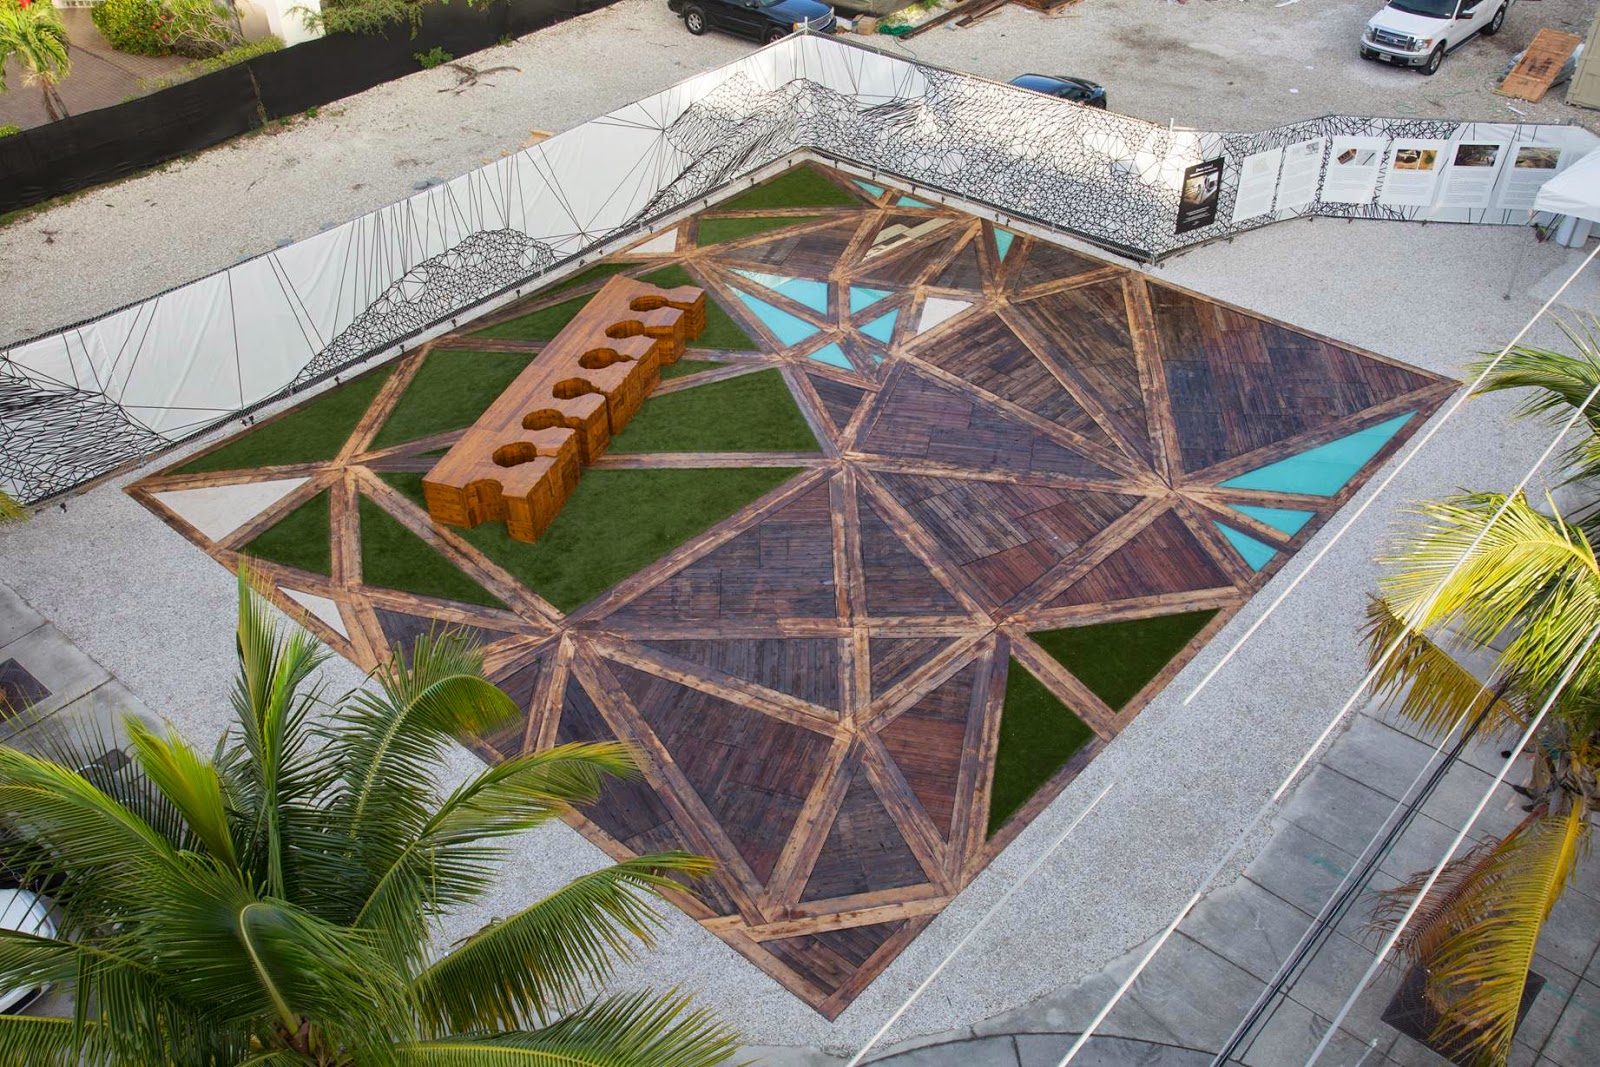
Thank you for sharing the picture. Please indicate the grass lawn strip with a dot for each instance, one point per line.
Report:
(800, 187)
(539, 325)
(395, 558)
(300, 539)
(311, 433)
(615, 523)
(1117, 659)
(721, 331)
(1038, 734)
(750, 413)
(449, 392)
(716, 231)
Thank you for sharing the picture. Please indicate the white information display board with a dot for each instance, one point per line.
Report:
(1470, 176)
(1302, 168)
(1258, 181)
(1413, 174)
(1531, 165)
(1353, 168)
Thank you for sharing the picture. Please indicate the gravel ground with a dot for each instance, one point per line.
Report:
(1212, 64)
(156, 611)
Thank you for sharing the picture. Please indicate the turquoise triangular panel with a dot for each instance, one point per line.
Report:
(1324, 470)
(1002, 240)
(1285, 520)
(833, 356)
(911, 201)
(882, 327)
(875, 190)
(787, 328)
(861, 297)
(813, 295)
(1255, 553)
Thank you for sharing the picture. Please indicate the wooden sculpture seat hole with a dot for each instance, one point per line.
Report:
(630, 328)
(515, 454)
(544, 419)
(600, 358)
(649, 303)
(572, 389)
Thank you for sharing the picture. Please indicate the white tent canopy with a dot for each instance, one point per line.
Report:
(1575, 191)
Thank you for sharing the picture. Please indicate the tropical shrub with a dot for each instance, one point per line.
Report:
(132, 26)
(8, 130)
(276, 902)
(239, 54)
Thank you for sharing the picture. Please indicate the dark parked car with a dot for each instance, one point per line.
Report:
(1078, 90)
(765, 20)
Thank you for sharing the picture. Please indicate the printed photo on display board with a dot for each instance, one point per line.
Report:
(1470, 177)
(1197, 204)
(1414, 170)
(1352, 176)
(1258, 180)
(1531, 166)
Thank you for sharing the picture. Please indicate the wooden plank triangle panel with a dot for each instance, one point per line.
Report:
(1530, 79)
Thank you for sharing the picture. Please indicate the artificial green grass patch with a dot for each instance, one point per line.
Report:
(721, 331)
(539, 325)
(801, 187)
(750, 413)
(395, 558)
(715, 231)
(1038, 734)
(615, 523)
(1117, 659)
(311, 433)
(449, 392)
(685, 367)
(301, 538)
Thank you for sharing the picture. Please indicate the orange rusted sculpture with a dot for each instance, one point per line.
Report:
(521, 459)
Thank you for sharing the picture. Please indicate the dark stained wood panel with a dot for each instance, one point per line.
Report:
(894, 658)
(1239, 383)
(828, 960)
(1164, 557)
(1005, 535)
(629, 809)
(838, 399)
(926, 742)
(1085, 332)
(1050, 263)
(519, 684)
(899, 268)
(807, 668)
(986, 353)
(811, 254)
(402, 630)
(920, 418)
(964, 271)
(780, 568)
(752, 771)
(864, 852)
(896, 581)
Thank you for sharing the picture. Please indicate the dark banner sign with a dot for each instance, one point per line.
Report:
(1197, 206)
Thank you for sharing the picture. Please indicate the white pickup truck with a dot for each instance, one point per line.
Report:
(1419, 33)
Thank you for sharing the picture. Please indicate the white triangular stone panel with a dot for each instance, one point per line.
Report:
(662, 244)
(938, 309)
(320, 606)
(218, 510)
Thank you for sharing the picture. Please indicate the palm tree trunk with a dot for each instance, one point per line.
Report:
(54, 106)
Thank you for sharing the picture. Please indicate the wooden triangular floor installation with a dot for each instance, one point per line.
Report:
(926, 742)
(864, 851)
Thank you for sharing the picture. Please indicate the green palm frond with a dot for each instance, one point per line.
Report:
(624, 1031)
(1479, 970)
(37, 37)
(1425, 684)
(1561, 381)
(46, 1041)
(10, 510)
(190, 783)
(451, 861)
(547, 957)
(1523, 573)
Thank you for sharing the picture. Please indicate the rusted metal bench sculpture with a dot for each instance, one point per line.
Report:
(519, 462)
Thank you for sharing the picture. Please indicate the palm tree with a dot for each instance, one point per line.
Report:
(1490, 579)
(10, 510)
(37, 37)
(273, 905)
